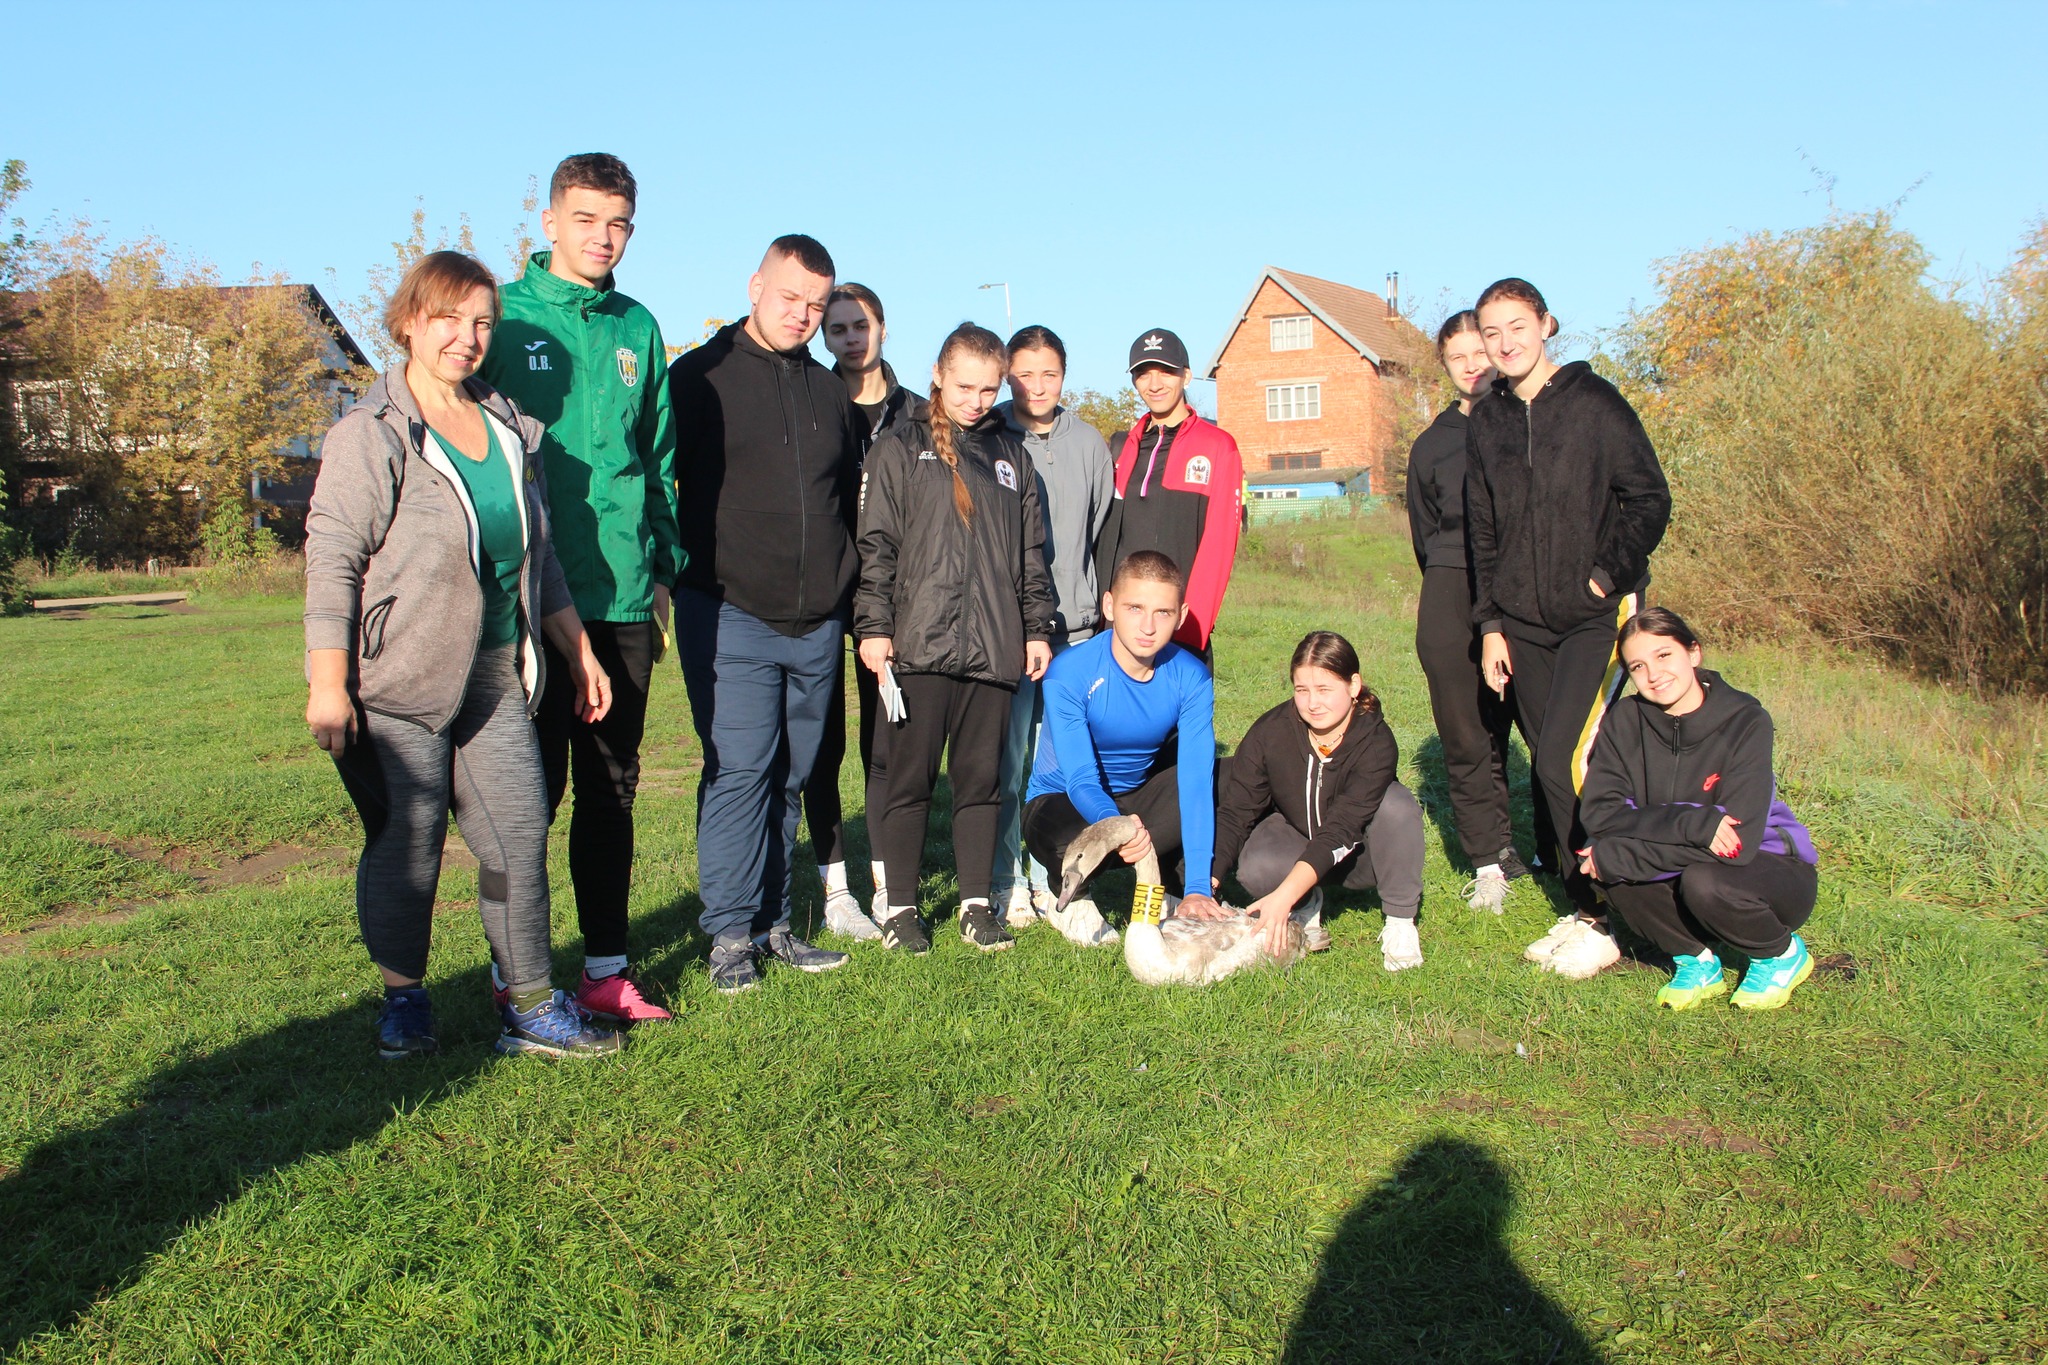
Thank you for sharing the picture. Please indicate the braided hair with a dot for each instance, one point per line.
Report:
(982, 344)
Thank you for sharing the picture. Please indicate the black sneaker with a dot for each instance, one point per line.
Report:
(733, 968)
(787, 947)
(979, 926)
(405, 1026)
(906, 931)
(1511, 864)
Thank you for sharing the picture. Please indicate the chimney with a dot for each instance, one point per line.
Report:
(1393, 295)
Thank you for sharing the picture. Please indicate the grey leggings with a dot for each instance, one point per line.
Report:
(1390, 860)
(486, 765)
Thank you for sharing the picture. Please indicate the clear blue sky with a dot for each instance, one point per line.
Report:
(1123, 166)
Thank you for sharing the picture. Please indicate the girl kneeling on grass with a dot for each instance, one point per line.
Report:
(1310, 797)
(1686, 833)
(428, 568)
(955, 601)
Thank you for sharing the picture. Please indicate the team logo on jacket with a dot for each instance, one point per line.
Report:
(629, 367)
(1006, 475)
(1708, 785)
(1198, 470)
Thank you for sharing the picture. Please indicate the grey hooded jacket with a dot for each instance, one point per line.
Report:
(391, 554)
(1076, 487)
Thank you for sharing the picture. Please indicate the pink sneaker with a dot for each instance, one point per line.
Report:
(617, 1000)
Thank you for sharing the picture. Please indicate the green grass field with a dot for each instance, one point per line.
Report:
(1024, 1157)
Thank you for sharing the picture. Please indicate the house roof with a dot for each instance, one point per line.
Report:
(1359, 316)
(1266, 478)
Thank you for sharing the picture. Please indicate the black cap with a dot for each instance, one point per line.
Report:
(1158, 347)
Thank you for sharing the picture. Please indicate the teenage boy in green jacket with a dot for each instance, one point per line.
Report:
(589, 362)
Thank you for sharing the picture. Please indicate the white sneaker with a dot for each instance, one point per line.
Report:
(1400, 948)
(1309, 914)
(1018, 910)
(1487, 891)
(1081, 922)
(1586, 954)
(843, 916)
(1566, 927)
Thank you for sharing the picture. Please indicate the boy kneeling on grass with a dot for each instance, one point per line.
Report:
(1686, 834)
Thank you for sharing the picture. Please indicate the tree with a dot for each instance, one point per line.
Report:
(1109, 413)
(172, 390)
(13, 232)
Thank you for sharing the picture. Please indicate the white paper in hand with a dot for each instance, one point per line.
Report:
(892, 696)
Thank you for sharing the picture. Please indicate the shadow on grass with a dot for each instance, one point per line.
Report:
(86, 1210)
(1420, 1271)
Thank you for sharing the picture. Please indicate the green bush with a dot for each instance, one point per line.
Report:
(1851, 450)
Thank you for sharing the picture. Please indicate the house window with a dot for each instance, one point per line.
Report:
(1272, 494)
(1293, 402)
(1292, 334)
(1314, 461)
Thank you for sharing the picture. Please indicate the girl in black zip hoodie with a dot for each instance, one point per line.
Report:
(1684, 828)
(1472, 724)
(1310, 797)
(1564, 501)
(954, 600)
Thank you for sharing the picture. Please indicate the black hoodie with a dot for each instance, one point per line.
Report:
(898, 405)
(1657, 786)
(1436, 493)
(955, 597)
(767, 466)
(1330, 800)
(1556, 493)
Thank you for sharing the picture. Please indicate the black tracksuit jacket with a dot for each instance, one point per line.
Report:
(1558, 492)
(1330, 800)
(767, 468)
(956, 598)
(1436, 493)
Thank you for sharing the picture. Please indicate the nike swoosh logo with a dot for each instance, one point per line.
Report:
(535, 345)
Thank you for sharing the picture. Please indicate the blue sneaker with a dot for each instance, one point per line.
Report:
(1694, 981)
(1770, 981)
(405, 1026)
(555, 1028)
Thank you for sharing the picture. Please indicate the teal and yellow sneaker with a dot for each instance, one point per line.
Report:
(1770, 981)
(1694, 981)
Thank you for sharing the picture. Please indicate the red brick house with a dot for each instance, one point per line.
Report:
(1302, 378)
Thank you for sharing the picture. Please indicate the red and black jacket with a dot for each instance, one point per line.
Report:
(1192, 496)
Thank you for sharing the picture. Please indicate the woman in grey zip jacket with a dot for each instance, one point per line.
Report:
(428, 563)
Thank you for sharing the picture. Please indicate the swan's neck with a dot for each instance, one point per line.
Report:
(1148, 903)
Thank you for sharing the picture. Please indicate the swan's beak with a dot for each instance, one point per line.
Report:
(1089, 848)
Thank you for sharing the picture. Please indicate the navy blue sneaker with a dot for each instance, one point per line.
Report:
(555, 1028)
(734, 968)
(405, 1026)
(786, 947)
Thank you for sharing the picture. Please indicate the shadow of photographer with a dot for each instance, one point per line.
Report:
(1419, 1270)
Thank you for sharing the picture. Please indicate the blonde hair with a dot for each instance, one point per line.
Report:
(435, 283)
(982, 344)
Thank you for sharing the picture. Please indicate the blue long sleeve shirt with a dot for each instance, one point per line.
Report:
(1105, 730)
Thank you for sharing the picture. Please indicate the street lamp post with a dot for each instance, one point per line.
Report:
(1003, 285)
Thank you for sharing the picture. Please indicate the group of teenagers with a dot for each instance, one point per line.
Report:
(514, 525)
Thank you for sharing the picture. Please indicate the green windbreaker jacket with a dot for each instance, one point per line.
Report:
(589, 363)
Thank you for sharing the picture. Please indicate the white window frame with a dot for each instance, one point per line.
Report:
(1294, 402)
(1295, 332)
(1274, 494)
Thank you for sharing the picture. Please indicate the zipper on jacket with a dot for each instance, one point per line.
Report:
(803, 514)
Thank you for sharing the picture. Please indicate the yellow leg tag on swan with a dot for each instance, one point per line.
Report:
(1148, 903)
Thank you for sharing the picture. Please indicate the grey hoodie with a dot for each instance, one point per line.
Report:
(391, 554)
(1076, 486)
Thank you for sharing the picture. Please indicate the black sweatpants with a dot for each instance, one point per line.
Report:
(1051, 823)
(1389, 859)
(1471, 722)
(965, 721)
(604, 760)
(1563, 687)
(1754, 906)
(822, 809)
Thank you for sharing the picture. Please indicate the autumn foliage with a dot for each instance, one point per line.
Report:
(1853, 450)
